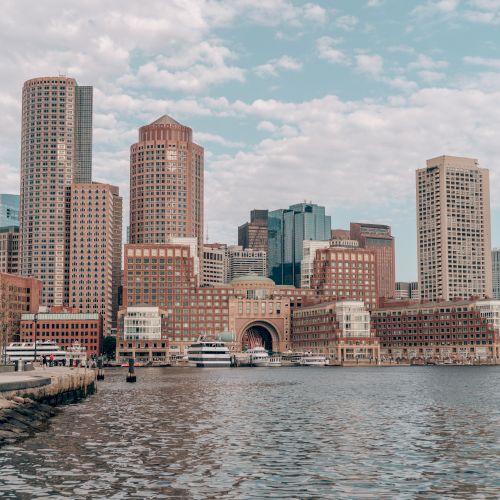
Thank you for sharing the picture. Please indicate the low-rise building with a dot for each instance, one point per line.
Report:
(339, 330)
(459, 329)
(65, 326)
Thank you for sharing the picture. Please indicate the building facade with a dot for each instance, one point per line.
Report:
(287, 229)
(215, 264)
(453, 229)
(9, 210)
(458, 330)
(339, 330)
(495, 265)
(406, 290)
(344, 273)
(245, 261)
(50, 163)
(9, 250)
(65, 326)
(378, 237)
(253, 234)
(95, 251)
(166, 184)
(18, 295)
(309, 248)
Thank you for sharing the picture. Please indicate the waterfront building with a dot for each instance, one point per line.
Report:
(457, 329)
(287, 229)
(9, 249)
(9, 210)
(339, 330)
(340, 234)
(453, 229)
(378, 237)
(245, 261)
(406, 290)
(253, 234)
(495, 264)
(166, 184)
(344, 273)
(192, 243)
(65, 326)
(54, 154)
(141, 335)
(18, 295)
(95, 251)
(309, 248)
(215, 264)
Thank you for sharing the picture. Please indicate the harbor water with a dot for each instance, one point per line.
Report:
(399, 432)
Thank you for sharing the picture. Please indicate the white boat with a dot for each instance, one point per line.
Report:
(207, 353)
(76, 354)
(25, 351)
(258, 356)
(314, 360)
(275, 360)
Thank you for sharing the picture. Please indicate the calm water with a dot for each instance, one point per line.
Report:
(418, 432)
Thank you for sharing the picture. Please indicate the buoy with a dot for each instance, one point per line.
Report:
(131, 374)
(100, 371)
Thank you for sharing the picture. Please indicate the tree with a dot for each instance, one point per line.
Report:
(109, 346)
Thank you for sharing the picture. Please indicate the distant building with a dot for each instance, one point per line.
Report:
(346, 274)
(95, 251)
(246, 261)
(339, 330)
(458, 329)
(215, 264)
(309, 248)
(340, 234)
(9, 250)
(495, 263)
(18, 295)
(9, 210)
(406, 290)
(166, 198)
(287, 229)
(453, 229)
(253, 234)
(65, 326)
(378, 238)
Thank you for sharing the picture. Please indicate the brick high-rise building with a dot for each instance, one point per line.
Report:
(453, 229)
(253, 234)
(95, 255)
(55, 144)
(166, 184)
(378, 238)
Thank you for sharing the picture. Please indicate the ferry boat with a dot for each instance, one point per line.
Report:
(314, 360)
(275, 360)
(25, 351)
(259, 357)
(206, 353)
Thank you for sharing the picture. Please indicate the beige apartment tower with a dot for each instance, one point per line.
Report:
(95, 256)
(166, 184)
(56, 151)
(453, 229)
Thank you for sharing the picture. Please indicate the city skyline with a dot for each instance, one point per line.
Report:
(373, 84)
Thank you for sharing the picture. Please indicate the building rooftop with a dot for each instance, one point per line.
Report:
(252, 278)
(165, 120)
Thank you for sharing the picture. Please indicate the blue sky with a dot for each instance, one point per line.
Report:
(337, 102)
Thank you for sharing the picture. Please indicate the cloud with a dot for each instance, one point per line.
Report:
(327, 51)
(432, 7)
(427, 63)
(483, 61)
(272, 67)
(375, 3)
(347, 22)
(372, 64)
(202, 137)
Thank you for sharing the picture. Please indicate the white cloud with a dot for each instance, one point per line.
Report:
(202, 137)
(347, 22)
(375, 3)
(427, 63)
(327, 50)
(483, 61)
(272, 67)
(372, 64)
(432, 7)
(431, 76)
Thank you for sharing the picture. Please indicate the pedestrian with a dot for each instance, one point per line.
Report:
(44, 361)
(51, 360)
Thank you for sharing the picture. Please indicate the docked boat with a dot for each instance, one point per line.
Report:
(314, 360)
(76, 355)
(259, 357)
(206, 353)
(275, 360)
(26, 351)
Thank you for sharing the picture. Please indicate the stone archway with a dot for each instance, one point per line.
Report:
(267, 333)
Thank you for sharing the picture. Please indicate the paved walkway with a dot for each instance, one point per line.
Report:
(14, 381)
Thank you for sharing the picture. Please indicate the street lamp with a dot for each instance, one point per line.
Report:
(35, 320)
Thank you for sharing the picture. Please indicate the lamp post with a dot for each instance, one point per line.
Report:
(35, 320)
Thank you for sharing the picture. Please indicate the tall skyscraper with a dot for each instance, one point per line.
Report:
(83, 128)
(166, 184)
(287, 229)
(253, 234)
(51, 135)
(495, 262)
(9, 210)
(378, 237)
(95, 255)
(453, 229)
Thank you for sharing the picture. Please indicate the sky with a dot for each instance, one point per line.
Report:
(334, 102)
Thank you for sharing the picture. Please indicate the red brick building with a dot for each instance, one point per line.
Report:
(18, 295)
(342, 273)
(64, 326)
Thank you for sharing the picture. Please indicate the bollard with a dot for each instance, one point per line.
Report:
(100, 371)
(131, 374)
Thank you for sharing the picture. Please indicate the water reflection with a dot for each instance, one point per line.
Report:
(279, 433)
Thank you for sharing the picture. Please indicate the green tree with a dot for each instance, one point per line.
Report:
(109, 346)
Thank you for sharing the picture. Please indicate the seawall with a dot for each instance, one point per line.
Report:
(29, 399)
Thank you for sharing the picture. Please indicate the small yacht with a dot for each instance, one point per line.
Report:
(258, 356)
(206, 353)
(26, 351)
(314, 360)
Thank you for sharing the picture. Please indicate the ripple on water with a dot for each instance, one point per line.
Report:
(287, 433)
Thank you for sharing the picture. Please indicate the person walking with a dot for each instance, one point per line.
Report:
(51, 360)
(44, 361)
